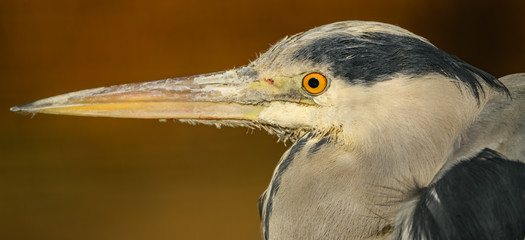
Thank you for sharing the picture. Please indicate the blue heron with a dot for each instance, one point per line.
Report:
(393, 137)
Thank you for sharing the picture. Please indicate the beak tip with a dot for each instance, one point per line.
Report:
(16, 108)
(24, 108)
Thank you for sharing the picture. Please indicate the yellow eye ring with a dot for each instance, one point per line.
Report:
(314, 83)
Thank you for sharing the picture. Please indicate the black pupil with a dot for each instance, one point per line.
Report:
(313, 83)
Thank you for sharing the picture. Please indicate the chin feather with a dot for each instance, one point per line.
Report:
(283, 134)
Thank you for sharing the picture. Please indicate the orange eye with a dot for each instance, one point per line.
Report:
(314, 83)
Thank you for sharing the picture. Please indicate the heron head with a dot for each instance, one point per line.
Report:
(337, 80)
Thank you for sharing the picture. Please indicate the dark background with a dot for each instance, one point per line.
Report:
(94, 178)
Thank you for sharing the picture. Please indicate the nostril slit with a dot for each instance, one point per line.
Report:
(269, 81)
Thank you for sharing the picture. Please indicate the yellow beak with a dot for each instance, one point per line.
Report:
(236, 94)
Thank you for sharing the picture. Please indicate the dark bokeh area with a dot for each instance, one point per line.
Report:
(94, 178)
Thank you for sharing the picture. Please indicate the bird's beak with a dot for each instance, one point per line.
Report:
(237, 94)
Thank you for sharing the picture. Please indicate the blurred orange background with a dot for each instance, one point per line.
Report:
(94, 178)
